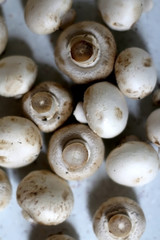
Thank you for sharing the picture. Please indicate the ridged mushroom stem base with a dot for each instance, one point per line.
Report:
(75, 154)
(84, 50)
(120, 225)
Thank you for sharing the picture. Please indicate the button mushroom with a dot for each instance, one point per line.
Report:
(75, 152)
(119, 218)
(121, 15)
(60, 237)
(153, 127)
(3, 35)
(135, 73)
(17, 75)
(44, 17)
(105, 109)
(45, 198)
(85, 52)
(49, 105)
(20, 142)
(132, 164)
(5, 190)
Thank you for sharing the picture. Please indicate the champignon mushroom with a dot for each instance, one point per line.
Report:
(135, 73)
(20, 142)
(121, 15)
(75, 152)
(3, 35)
(105, 109)
(60, 237)
(49, 105)
(46, 198)
(156, 97)
(5, 190)
(153, 127)
(119, 218)
(132, 164)
(44, 17)
(17, 75)
(85, 52)
(68, 19)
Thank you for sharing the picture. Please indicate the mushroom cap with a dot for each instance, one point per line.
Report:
(75, 152)
(5, 190)
(153, 127)
(105, 109)
(45, 197)
(44, 17)
(85, 52)
(60, 237)
(119, 206)
(20, 142)
(3, 35)
(17, 75)
(132, 164)
(135, 73)
(120, 15)
(48, 105)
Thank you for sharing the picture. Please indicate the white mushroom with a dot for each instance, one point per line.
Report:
(75, 152)
(135, 73)
(5, 190)
(3, 35)
(156, 97)
(20, 142)
(121, 15)
(153, 127)
(49, 105)
(60, 237)
(132, 164)
(86, 51)
(105, 109)
(68, 19)
(119, 218)
(45, 197)
(44, 17)
(79, 113)
(17, 75)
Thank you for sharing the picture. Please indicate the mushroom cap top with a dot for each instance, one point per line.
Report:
(60, 237)
(45, 197)
(153, 127)
(114, 206)
(135, 73)
(44, 17)
(49, 105)
(3, 35)
(120, 15)
(5, 190)
(17, 75)
(20, 142)
(85, 51)
(132, 164)
(105, 109)
(75, 152)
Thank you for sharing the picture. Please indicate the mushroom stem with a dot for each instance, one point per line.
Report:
(120, 225)
(75, 154)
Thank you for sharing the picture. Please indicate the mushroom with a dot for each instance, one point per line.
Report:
(20, 142)
(3, 35)
(119, 218)
(68, 19)
(60, 237)
(135, 73)
(121, 15)
(5, 190)
(105, 109)
(85, 52)
(45, 198)
(49, 105)
(156, 97)
(153, 127)
(75, 152)
(44, 17)
(17, 75)
(132, 164)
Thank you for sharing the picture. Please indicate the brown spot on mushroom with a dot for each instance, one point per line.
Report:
(117, 24)
(118, 113)
(65, 195)
(147, 62)
(2, 159)
(2, 64)
(30, 67)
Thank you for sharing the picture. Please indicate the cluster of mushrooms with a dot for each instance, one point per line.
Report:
(86, 53)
